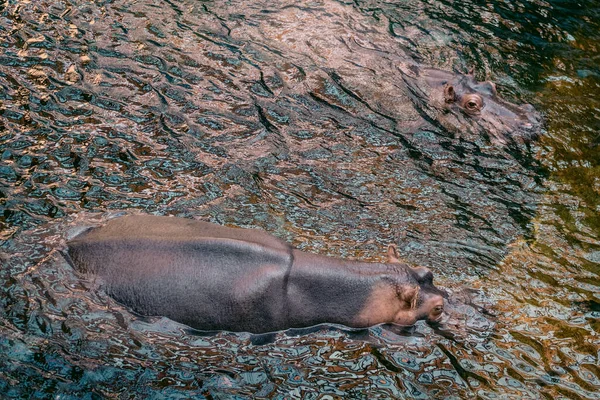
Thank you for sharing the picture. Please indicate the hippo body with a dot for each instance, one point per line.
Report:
(212, 277)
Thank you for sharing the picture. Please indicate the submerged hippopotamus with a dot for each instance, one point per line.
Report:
(366, 72)
(463, 103)
(212, 277)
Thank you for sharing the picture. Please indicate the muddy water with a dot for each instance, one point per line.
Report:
(296, 118)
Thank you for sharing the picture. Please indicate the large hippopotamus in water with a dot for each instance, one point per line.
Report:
(212, 277)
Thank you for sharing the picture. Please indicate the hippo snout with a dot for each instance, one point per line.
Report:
(530, 114)
(531, 121)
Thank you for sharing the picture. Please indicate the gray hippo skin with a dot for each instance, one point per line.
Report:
(212, 277)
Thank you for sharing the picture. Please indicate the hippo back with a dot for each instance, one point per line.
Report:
(194, 272)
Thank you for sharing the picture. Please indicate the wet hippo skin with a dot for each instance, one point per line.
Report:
(212, 277)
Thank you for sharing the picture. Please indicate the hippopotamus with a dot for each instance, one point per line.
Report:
(212, 277)
(462, 103)
(364, 70)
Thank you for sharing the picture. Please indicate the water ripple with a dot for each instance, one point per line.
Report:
(304, 120)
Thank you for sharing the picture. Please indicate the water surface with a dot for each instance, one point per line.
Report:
(295, 118)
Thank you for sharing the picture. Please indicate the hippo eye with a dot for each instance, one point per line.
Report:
(437, 310)
(472, 103)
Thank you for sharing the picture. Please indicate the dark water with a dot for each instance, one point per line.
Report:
(295, 118)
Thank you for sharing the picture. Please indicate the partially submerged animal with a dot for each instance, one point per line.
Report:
(365, 71)
(463, 103)
(212, 277)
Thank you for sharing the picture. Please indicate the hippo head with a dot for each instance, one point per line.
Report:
(422, 301)
(464, 104)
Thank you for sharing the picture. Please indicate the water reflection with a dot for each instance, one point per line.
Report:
(294, 118)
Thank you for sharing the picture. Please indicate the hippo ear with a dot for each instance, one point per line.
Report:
(449, 93)
(392, 254)
(409, 295)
